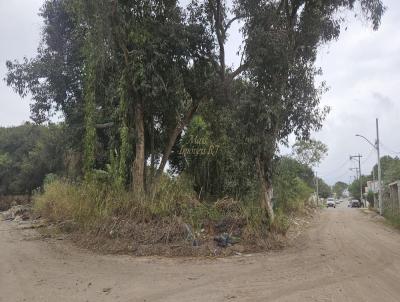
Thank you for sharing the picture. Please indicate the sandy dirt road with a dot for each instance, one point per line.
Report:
(344, 256)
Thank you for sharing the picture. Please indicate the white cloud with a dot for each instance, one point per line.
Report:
(19, 35)
(361, 69)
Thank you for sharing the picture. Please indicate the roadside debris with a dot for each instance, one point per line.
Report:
(17, 213)
(225, 240)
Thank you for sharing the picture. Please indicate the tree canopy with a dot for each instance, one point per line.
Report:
(339, 187)
(134, 79)
(27, 154)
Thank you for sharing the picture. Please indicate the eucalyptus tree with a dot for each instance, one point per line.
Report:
(133, 74)
(53, 79)
(278, 95)
(122, 72)
(162, 58)
(281, 43)
(309, 152)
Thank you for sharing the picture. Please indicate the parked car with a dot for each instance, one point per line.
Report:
(330, 202)
(355, 204)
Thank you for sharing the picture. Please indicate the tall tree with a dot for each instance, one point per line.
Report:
(309, 152)
(131, 75)
(281, 42)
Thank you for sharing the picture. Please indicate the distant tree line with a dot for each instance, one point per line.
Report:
(27, 154)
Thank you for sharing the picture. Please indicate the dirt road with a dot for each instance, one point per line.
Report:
(345, 256)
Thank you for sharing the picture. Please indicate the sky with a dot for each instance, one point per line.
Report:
(361, 69)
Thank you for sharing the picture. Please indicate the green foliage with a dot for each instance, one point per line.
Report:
(338, 188)
(390, 167)
(194, 154)
(90, 205)
(324, 189)
(53, 79)
(309, 152)
(370, 199)
(354, 187)
(100, 61)
(292, 189)
(121, 175)
(392, 219)
(281, 223)
(27, 154)
(90, 137)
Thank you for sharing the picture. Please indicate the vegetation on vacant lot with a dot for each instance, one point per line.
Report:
(172, 215)
(145, 86)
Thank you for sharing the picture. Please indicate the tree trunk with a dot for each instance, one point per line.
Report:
(152, 155)
(266, 190)
(138, 163)
(171, 141)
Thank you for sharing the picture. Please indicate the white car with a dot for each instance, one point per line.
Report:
(330, 202)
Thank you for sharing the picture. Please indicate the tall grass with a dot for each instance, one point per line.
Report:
(392, 219)
(98, 207)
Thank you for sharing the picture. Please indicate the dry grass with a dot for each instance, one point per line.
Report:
(170, 222)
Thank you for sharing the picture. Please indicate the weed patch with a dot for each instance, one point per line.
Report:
(172, 219)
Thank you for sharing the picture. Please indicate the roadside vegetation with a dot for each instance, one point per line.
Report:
(392, 220)
(162, 141)
(99, 213)
(390, 173)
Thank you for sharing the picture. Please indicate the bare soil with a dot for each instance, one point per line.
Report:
(346, 255)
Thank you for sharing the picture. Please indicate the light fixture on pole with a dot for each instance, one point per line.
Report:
(376, 147)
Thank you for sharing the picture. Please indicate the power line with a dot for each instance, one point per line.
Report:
(389, 149)
(342, 175)
(335, 170)
(368, 156)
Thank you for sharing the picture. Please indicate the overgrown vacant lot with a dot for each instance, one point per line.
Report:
(172, 222)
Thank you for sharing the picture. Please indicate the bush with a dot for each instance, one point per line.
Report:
(89, 202)
(167, 215)
(291, 195)
(281, 223)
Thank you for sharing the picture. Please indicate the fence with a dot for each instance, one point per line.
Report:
(391, 200)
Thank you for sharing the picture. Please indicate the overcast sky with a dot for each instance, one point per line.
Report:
(362, 70)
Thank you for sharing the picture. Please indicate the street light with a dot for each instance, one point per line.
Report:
(376, 147)
(373, 145)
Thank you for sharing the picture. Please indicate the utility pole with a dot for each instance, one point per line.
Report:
(355, 177)
(359, 170)
(379, 169)
(376, 147)
(373, 188)
(316, 183)
(355, 169)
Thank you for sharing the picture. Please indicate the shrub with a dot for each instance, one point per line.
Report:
(101, 209)
(291, 195)
(281, 223)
